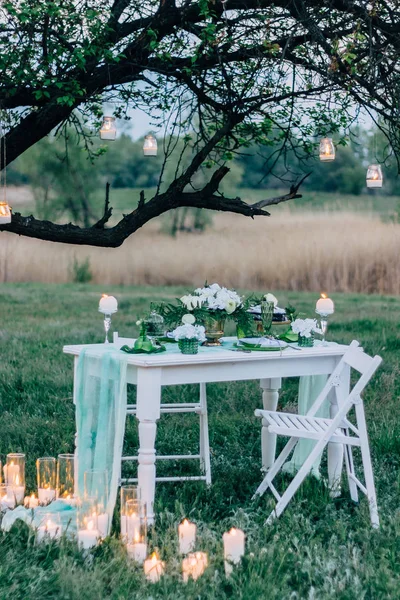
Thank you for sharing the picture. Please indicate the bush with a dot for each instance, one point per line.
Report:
(81, 271)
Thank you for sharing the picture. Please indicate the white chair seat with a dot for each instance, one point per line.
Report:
(298, 426)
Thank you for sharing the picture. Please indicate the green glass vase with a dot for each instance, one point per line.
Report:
(267, 313)
(306, 342)
(188, 346)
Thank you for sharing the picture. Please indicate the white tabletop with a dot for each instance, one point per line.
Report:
(211, 355)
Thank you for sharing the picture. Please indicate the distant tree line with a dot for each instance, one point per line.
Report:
(49, 164)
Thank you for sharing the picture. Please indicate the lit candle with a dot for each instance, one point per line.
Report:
(233, 548)
(187, 536)
(11, 472)
(108, 305)
(133, 526)
(194, 565)
(46, 495)
(31, 501)
(325, 305)
(138, 550)
(49, 529)
(15, 491)
(87, 538)
(102, 524)
(153, 568)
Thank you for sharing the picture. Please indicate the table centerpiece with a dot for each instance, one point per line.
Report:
(210, 305)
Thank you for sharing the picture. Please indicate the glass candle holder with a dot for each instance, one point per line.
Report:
(95, 485)
(127, 492)
(49, 527)
(87, 523)
(14, 475)
(108, 130)
(136, 525)
(3, 496)
(65, 476)
(267, 313)
(46, 479)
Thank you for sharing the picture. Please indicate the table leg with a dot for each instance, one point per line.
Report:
(335, 450)
(270, 396)
(148, 412)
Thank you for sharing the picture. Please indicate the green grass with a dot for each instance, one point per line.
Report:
(318, 549)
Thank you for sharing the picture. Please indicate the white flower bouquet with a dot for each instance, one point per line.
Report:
(305, 328)
(213, 297)
(189, 332)
(189, 335)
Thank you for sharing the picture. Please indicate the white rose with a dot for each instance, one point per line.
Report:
(271, 298)
(215, 287)
(230, 307)
(188, 319)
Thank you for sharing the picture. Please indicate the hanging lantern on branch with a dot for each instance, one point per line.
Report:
(326, 149)
(5, 210)
(5, 213)
(150, 145)
(108, 130)
(374, 176)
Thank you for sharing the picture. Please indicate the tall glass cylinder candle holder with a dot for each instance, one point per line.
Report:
(14, 476)
(96, 486)
(136, 524)
(4, 504)
(65, 476)
(86, 515)
(127, 492)
(46, 479)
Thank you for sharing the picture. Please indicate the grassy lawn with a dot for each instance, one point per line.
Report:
(319, 549)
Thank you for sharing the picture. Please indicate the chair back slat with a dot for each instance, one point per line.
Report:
(358, 360)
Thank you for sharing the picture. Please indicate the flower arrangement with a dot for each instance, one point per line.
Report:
(213, 297)
(212, 301)
(189, 332)
(189, 335)
(305, 327)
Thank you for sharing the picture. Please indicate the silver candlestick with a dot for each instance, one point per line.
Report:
(324, 325)
(107, 325)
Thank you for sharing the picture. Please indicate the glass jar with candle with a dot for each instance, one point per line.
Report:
(46, 478)
(87, 525)
(49, 527)
(136, 526)
(127, 492)
(65, 476)
(14, 475)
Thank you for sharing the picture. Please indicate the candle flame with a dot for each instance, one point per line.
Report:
(324, 296)
(32, 496)
(185, 522)
(48, 523)
(11, 463)
(233, 531)
(104, 295)
(90, 525)
(154, 557)
(137, 538)
(17, 480)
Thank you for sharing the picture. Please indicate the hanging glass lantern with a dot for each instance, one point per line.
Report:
(150, 145)
(374, 176)
(326, 149)
(108, 130)
(5, 213)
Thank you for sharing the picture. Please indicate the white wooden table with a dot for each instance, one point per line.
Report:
(150, 372)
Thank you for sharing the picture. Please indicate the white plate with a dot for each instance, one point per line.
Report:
(263, 342)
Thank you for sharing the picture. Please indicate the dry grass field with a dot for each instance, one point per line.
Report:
(336, 251)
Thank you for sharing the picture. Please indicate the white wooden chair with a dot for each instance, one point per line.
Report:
(199, 408)
(339, 430)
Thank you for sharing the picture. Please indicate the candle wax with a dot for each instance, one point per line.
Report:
(46, 495)
(187, 536)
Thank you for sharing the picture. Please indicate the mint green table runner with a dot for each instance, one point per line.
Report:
(100, 397)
